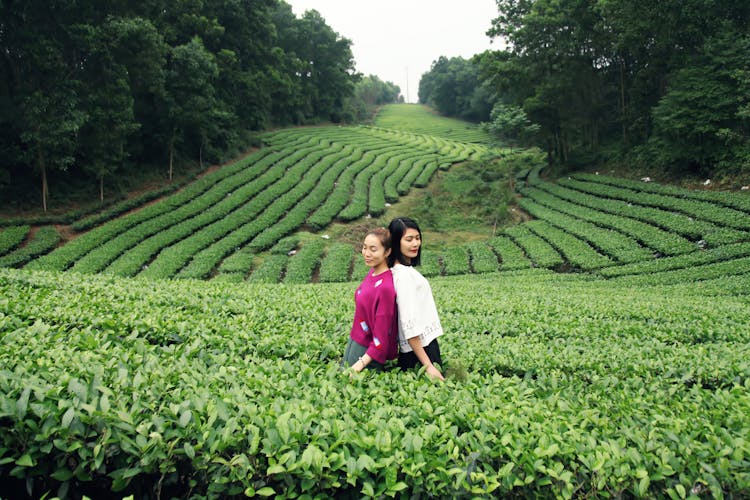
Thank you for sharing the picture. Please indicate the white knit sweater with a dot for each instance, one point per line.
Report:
(417, 314)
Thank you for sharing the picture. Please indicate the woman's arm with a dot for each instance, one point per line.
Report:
(430, 369)
(361, 363)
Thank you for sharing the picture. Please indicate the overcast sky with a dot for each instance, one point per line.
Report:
(393, 38)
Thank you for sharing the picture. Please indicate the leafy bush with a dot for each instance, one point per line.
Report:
(216, 390)
(11, 237)
(337, 263)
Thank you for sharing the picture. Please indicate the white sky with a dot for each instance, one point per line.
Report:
(393, 38)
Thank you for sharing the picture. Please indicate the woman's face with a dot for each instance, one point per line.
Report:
(410, 243)
(374, 253)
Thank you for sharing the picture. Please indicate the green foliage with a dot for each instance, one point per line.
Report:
(698, 121)
(337, 263)
(422, 120)
(214, 389)
(476, 192)
(510, 124)
(456, 260)
(270, 270)
(285, 245)
(45, 239)
(582, 73)
(95, 90)
(301, 265)
(11, 237)
(511, 256)
(483, 259)
(239, 262)
(452, 86)
(120, 208)
(430, 265)
(536, 248)
(370, 93)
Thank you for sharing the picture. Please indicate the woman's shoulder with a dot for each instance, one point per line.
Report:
(404, 273)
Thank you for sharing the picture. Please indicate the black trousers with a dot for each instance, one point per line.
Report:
(409, 360)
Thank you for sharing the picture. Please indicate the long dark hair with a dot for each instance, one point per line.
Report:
(397, 228)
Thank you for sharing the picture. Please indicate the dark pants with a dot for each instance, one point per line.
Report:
(408, 360)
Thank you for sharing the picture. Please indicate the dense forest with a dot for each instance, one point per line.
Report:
(660, 84)
(98, 90)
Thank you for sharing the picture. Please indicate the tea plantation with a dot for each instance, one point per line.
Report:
(600, 350)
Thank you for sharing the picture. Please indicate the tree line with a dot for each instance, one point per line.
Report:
(97, 90)
(659, 84)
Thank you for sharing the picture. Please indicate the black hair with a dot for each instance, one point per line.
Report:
(398, 227)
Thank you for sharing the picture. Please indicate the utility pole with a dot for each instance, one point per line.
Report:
(407, 85)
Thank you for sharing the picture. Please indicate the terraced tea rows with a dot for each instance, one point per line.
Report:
(304, 177)
(311, 177)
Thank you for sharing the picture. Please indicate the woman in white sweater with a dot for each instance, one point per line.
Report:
(418, 321)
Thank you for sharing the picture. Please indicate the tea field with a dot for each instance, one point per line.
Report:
(562, 386)
(190, 348)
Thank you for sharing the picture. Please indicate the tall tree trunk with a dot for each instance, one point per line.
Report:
(101, 188)
(171, 154)
(45, 187)
(623, 109)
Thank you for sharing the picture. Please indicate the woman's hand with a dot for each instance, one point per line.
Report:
(361, 363)
(433, 372)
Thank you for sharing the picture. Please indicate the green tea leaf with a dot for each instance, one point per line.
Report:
(23, 403)
(25, 461)
(185, 418)
(68, 416)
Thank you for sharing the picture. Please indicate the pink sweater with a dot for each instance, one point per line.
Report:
(375, 318)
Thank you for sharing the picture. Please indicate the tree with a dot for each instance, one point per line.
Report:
(700, 122)
(369, 93)
(510, 124)
(94, 90)
(190, 97)
(452, 87)
(623, 79)
(108, 101)
(50, 123)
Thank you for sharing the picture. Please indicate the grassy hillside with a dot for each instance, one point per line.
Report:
(423, 120)
(598, 350)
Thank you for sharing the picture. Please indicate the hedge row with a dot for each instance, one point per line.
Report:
(701, 210)
(539, 251)
(597, 196)
(612, 243)
(337, 263)
(196, 195)
(45, 239)
(12, 236)
(664, 242)
(301, 266)
(575, 250)
(173, 258)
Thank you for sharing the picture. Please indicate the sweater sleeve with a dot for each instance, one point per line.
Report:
(383, 338)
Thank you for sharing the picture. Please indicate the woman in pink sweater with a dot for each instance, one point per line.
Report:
(374, 336)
